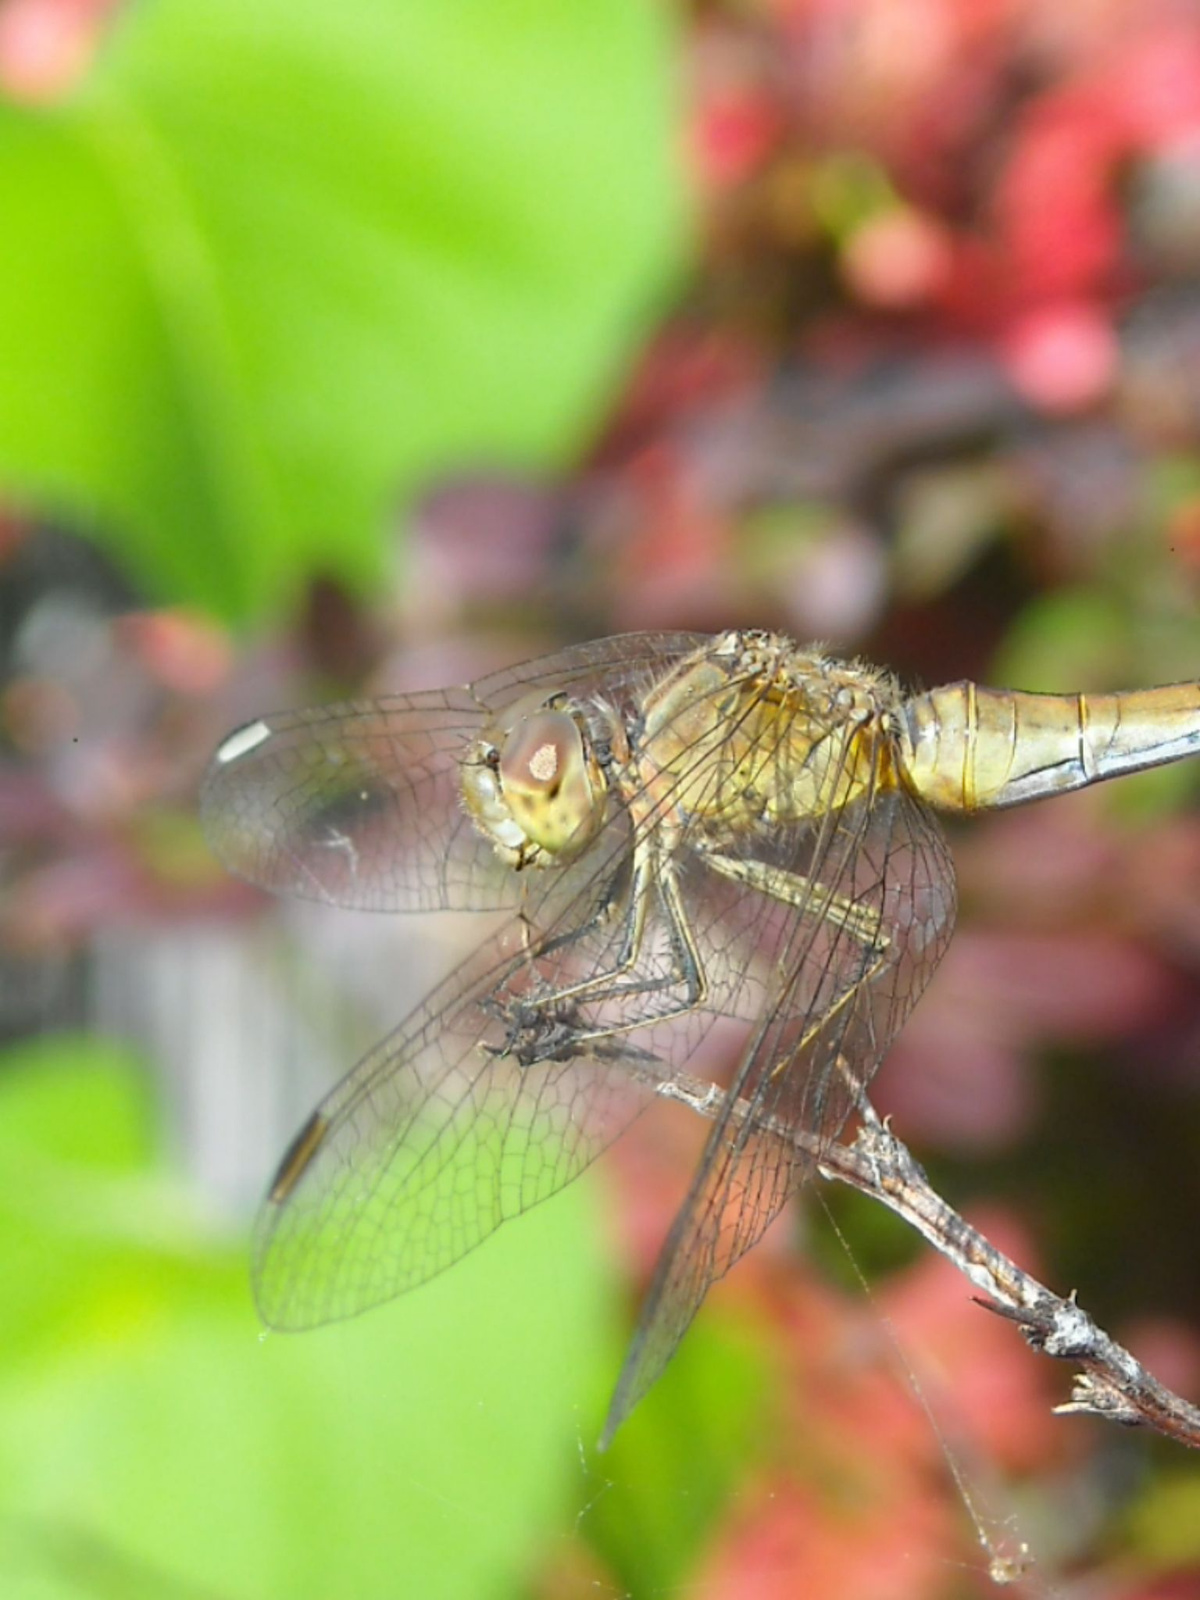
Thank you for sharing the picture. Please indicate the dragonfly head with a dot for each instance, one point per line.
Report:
(533, 785)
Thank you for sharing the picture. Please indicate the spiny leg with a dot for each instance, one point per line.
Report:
(689, 966)
(688, 972)
(631, 941)
(857, 1091)
(863, 923)
(602, 917)
(794, 889)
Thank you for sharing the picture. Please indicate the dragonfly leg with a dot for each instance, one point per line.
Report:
(857, 1091)
(631, 941)
(602, 917)
(535, 1015)
(871, 970)
(863, 923)
(689, 968)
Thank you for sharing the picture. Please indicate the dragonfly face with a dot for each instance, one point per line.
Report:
(533, 783)
(684, 828)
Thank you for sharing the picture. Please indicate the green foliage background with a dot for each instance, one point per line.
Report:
(279, 263)
(274, 266)
(151, 1443)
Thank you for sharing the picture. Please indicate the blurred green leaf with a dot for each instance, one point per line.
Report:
(76, 1106)
(1144, 798)
(1165, 1523)
(848, 187)
(946, 518)
(674, 1463)
(279, 264)
(152, 1442)
(1066, 640)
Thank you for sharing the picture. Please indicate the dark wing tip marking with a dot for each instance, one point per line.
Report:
(297, 1158)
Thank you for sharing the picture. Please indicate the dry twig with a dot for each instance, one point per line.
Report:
(1111, 1383)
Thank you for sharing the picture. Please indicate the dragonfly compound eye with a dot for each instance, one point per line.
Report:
(552, 789)
(533, 785)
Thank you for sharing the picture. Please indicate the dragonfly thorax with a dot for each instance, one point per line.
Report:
(756, 733)
(532, 784)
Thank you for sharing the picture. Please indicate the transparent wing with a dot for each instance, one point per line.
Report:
(480, 1104)
(539, 1049)
(356, 805)
(872, 919)
(622, 662)
(359, 804)
(496, 1092)
(433, 1140)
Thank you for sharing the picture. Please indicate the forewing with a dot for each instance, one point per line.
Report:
(355, 804)
(622, 662)
(882, 862)
(359, 804)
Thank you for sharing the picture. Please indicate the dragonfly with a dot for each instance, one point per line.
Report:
(679, 828)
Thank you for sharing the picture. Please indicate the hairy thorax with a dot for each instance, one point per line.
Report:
(756, 732)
